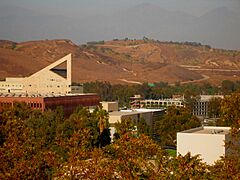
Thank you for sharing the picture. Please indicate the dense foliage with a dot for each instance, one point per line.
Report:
(34, 144)
(176, 120)
(47, 145)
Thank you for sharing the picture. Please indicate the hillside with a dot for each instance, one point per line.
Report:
(123, 61)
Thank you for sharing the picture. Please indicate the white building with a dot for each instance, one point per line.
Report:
(208, 142)
(109, 106)
(178, 102)
(53, 79)
(135, 115)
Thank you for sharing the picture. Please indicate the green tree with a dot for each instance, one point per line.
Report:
(190, 100)
(79, 120)
(44, 126)
(227, 87)
(102, 116)
(123, 127)
(175, 120)
(214, 107)
(230, 110)
(228, 167)
(186, 167)
(143, 128)
(133, 157)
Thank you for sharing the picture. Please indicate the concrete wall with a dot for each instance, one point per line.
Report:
(11, 87)
(135, 117)
(46, 81)
(209, 146)
(110, 106)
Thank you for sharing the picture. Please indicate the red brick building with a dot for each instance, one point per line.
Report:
(44, 102)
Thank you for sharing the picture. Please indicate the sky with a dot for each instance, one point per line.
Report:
(72, 8)
(91, 20)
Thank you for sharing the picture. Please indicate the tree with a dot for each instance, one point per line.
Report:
(44, 126)
(82, 159)
(227, 87)
(230, 110)
(186, 167)
(23, 155)
(214, 107)
(143, 128)
(81, 119)
(228, 167)
(175, 120)
(123, 127)
(133, 157)
(19, 111)
(102, 116)
(190, 101)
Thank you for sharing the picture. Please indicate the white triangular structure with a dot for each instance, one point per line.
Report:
(49, 80)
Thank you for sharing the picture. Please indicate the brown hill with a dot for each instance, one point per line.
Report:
(123, 61)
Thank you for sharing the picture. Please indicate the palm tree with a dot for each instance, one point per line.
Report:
(102, 117)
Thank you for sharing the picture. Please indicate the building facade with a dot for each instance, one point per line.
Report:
(51, 101)
(47, 89)
(201, 106)
(110, 106)
(208, 142)
(135, 115)
(135, 101)
(49, 80)
(153, 103)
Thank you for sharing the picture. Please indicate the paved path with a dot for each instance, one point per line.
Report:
(131, 82)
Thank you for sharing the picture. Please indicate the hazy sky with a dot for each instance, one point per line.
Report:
(91, 20)
(91, 7)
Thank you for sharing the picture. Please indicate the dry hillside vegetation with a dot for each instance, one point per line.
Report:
(123, 61)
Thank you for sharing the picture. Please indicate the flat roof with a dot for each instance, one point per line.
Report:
(32, 95)
(149, 110)
(133, 111)
(209, 97)
(122, 113)
(208, 130)
(169, 99)
(109, 102)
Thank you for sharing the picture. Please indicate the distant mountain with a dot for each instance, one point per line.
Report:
(7, 10)
(219, 28)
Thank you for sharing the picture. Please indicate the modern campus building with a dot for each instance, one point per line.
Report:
(201, 106)
(47, 89)
(135, 115)
(208, 142)
(51, 101)
(110, 106)
(53, 79)
(138, 102)
(153, 103)
(135, 101)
